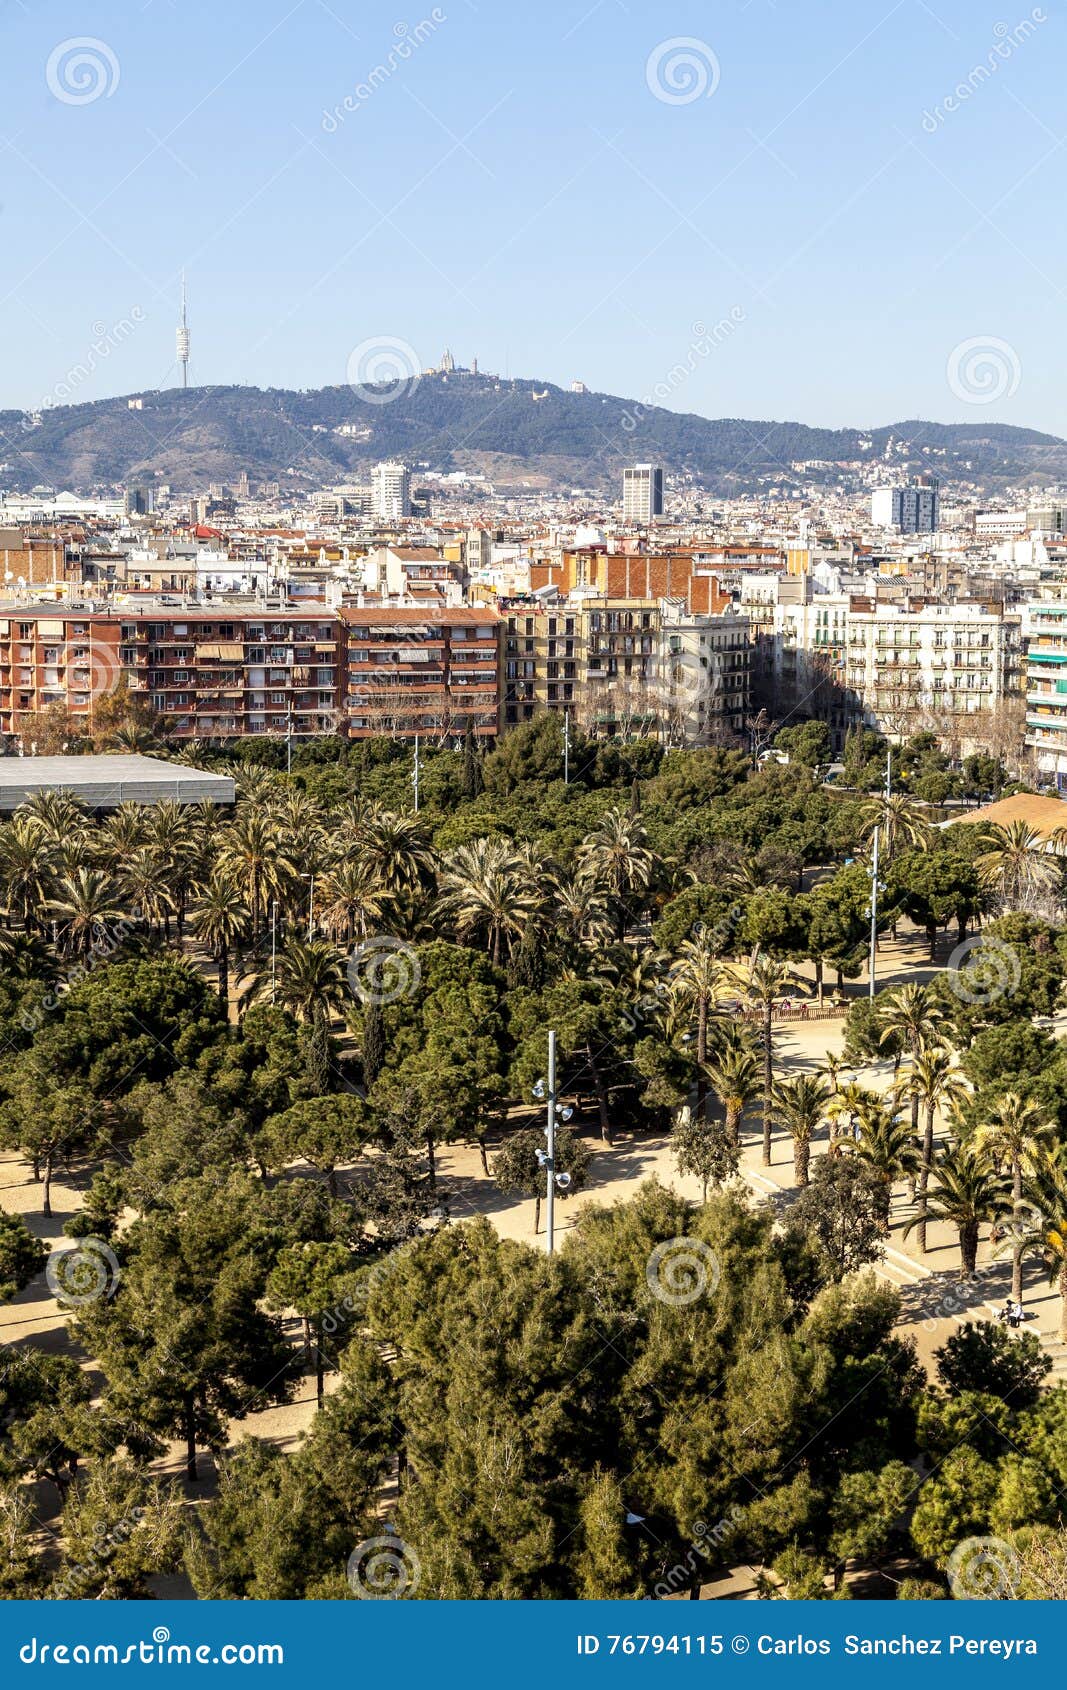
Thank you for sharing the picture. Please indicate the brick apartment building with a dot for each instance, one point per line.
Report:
(432, 672)
(218, 672)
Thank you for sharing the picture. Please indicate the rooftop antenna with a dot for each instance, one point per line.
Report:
(182, 339)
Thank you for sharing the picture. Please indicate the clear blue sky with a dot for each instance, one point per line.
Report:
(514, 189)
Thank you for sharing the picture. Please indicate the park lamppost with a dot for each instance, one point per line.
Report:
(547, 1158)
(273, 948)
(876, 886)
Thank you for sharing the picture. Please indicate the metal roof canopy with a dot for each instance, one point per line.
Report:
(105, 782)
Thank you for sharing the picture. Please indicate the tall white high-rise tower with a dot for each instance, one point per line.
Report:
(182, 340)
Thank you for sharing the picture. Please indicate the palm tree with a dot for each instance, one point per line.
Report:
(1017, 865)
(763, 981)
(352, 899)
(699, 979)
(398, 851)
(847, 1103)
(60, 814)
(965, 1193)
(220, 921)
(1046, 1193)
(132, 737)
(147, 890)
(734, 1076)
(309, 979)
(86, 905)
(174, 841)
(1016, 1134)
(580, 911)
(799, 1105)
(616, 856)
(28, 863)
(488, 894)
(886, 1143)
(121, 833)
(297, 812)
(907, 1015)
(938, 1084)
(256, 784)
(898, 820)
(251, 855)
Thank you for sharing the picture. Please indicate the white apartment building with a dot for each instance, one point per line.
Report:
(642, 493)
(1000, 525)
(390, 491)
(703, 666)
(899, 667)
(914, 666)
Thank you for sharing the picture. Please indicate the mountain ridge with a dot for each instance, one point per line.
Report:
(519, 432)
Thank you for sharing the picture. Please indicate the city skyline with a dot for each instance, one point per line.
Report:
(863, 204)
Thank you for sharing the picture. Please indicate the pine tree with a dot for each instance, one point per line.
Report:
(374, 1049)
(318, 1057)
(471, 784)
(526, 964)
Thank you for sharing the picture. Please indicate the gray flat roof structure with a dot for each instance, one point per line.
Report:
(105, 782)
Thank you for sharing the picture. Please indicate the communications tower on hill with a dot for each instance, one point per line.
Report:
(182, 339)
